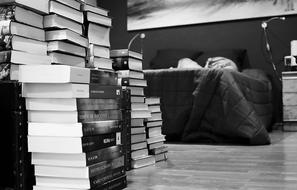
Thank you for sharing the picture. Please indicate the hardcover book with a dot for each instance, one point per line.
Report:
(127, 63)
(19, 14)
(66, 11)
(67, 48)
(130, 74)
(132, 82)
(74, 129)
(99, 35)
(99, 63)
(83, 183)
(23, 58)
(9, 27)
(97, 18)
(98, 51)
(71, 144)
(73, 116)
(74, 4)
(66, 59)
(40, 6)
(19, 43)
(94, 9)
(84, 172)
(59, 22)
(77, 159)
(143, 161)
(125, 53)
(72, 104)
(67, 35)
(70, 90)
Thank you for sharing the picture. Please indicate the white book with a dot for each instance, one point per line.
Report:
(72, 145)
(139, 106)
(65, 59)
(66, 11)
(71, 3)
(98, 10)
(140, 114)
(67, 35)
(38, 187)
(9, 27)
(98, 19)
(76, 159)
(65, 90)
(56, 21)
(40, 6)
(53, 74)
(143, 161)
(23, 58)
(99, 35)
(99, 51)
(85, 172)
(26, 16)
(130, 74)
(99, 62)
(66, 47)
(137, 91)
(28, 45)
(139, 153)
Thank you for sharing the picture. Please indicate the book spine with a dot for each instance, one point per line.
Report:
(100, 91)
(103, 167)
(120, 63)
(126, 99)
(97, 104)
(126, 138)
(99, 115)
(92, 143)
(115, 184)
(98, 181)
(103, 77)
(5, 56)
(104, 154)
(95, 128)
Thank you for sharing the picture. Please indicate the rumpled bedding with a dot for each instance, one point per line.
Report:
(213, 106)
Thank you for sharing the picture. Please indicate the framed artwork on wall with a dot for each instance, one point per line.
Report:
(148, 14)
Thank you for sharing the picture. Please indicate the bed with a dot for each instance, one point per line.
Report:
(213, 106)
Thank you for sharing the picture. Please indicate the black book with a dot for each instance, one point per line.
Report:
(15, 163)
(115, 184)
(127, 63)
(126, 137)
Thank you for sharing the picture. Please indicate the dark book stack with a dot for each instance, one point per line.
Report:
(22, 36)
(97, 26)
(16, 169)
(64, 33)
(128, 65)
(155, 139)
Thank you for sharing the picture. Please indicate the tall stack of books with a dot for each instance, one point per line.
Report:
(22, 36)
(97, 26)
(128, 64)
(22, 40)
(74, 125)
(155, 139)
(64, 25)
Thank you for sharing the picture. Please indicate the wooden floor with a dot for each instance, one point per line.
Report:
(190, 167)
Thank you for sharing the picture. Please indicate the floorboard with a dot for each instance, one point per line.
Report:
(190, 167)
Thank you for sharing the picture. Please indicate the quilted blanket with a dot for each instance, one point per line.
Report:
(214, 106)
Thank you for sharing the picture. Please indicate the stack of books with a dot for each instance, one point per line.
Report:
(128, 65)
(22, 36)
(64, 25)
(74, 127)
(155, 139)
(97, 26)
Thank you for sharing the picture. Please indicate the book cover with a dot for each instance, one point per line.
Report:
(70, 144)
(23, 58)
(98, 34)
(98, 51)
(78, 159)
(22, 15)
(97, 18)
(9, 27)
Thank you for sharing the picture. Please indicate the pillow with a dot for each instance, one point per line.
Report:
(238, 56)
(167, 58)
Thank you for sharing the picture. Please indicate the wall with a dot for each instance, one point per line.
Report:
(246, 34)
